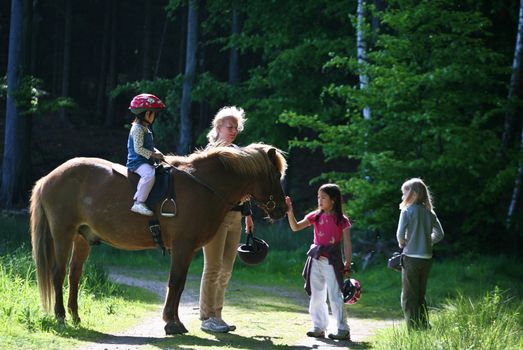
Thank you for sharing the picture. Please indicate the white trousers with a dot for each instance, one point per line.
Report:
(323, 284)
(146, 183)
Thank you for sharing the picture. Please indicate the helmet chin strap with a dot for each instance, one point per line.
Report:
(145, 121)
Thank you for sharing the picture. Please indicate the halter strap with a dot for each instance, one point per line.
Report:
(206, 185)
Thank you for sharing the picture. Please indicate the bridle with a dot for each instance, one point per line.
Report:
(268, 205)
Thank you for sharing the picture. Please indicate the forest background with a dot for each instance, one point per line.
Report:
(363, 93)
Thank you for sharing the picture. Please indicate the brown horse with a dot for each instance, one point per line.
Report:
(87, 200)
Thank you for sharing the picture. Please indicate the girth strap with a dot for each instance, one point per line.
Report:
(156, 232)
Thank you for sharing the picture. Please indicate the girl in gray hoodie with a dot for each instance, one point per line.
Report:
(418, 230)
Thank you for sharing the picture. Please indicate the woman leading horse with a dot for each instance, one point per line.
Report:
(87, 200)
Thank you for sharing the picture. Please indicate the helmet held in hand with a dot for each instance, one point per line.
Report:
(351, 291)
(253, 251)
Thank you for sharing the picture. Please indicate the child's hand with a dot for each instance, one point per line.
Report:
(158, 155)
(347, 269)
(288, 201)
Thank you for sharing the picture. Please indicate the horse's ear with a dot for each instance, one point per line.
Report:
(272, 156)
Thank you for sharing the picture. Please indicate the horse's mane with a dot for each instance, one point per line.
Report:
(248, 160)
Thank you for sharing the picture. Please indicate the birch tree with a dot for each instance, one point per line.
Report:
(509, 118)
(514, 82)
(361, 42)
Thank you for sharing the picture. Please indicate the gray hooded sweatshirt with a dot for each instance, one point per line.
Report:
(418, 230)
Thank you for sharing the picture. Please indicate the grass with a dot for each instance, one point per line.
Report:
(24, 325)
(475, 302)
(489, 323)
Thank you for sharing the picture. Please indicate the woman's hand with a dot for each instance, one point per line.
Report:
(288, 201)
(249, 224)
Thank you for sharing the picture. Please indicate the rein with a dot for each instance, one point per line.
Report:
(206, 185)
(269, 204)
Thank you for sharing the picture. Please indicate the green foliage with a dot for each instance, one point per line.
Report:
(435, 99)
(32, 99)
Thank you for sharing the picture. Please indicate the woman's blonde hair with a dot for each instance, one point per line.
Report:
(224, 113)
(416, 192)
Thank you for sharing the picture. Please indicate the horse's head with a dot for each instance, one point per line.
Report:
(268, 191)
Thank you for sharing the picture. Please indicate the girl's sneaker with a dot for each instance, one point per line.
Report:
(141, 208)
(343, 334)
(316, 333)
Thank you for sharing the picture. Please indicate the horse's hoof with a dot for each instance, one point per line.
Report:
(172, 328)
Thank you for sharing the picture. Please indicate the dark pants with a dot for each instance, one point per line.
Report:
(414, 276)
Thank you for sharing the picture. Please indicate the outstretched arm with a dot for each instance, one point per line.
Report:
(347, 249)
(295, 225)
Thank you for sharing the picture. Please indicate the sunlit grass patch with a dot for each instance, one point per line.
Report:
(488, 323)
(103, 306)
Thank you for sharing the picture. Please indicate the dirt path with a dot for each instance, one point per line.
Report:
(150, 329)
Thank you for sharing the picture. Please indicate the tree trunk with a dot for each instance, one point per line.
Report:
(379, 6)
(67, 58)
(233, 55)
(111, 78)
(160, 49)
(509, 117)
(36, 19)
(362, 52)
(182, 43)
(102, 79)
(16, 156)
(57, 56)
(517, 185)
(514, 82)
(146, 54)
(185, 140)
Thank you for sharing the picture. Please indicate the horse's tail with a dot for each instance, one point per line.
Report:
(43, 251)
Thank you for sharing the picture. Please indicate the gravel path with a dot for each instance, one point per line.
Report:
(151, 328)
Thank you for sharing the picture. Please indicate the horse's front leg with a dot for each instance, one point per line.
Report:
(181, 256)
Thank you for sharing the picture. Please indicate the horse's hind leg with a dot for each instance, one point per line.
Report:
(62, 239)
(80, 253)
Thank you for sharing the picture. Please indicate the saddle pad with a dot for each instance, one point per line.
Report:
(161, 183)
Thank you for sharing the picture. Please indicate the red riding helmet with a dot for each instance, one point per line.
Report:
(146, 102)
(351, 291)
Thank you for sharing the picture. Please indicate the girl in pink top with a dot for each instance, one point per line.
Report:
(325, 266)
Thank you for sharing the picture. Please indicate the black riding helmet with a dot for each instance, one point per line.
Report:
(253, 251)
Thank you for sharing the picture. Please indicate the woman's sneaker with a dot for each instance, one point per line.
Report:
(213, 325)
(343, 334)
(316, 333)
(220, 321)
(141, 208)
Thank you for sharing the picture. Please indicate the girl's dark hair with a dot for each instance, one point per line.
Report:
(333, 191)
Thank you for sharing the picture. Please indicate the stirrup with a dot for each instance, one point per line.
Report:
(167, 214)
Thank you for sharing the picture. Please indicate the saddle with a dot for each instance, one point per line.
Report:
(162, 191)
